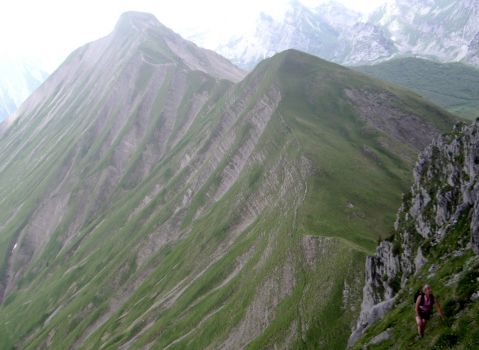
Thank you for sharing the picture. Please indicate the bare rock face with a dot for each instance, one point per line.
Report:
(376, 108)
(378, 292)
(473, 51)
(445, 188)
(443, 30)
(367, 43)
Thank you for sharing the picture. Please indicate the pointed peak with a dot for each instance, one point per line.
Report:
(138, 21)
(136, 17)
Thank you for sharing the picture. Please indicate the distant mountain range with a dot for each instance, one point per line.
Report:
(446, 31)
(153, 195)
(18, 78)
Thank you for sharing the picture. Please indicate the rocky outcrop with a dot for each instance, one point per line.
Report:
(445, 189)
(377, 109)
(446, 185)
(379, 290)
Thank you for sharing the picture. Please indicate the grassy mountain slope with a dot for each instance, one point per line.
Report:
(453, 86)
(149, 204)
(436, 243)
(454, 278)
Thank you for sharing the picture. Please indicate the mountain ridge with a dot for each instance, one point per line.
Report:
(141, 199)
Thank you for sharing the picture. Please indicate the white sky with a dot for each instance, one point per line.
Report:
(48, 30)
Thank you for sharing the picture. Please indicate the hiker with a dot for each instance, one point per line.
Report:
(424, 302)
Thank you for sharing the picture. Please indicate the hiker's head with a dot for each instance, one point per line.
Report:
(427, 289)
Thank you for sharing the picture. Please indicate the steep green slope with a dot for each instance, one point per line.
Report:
(453, 86)
(147, 204)
(437, 242)
(454, 279)
(350, 128)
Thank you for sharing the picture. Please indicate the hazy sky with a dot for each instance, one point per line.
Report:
(49, 30)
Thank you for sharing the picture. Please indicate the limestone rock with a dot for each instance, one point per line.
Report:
(445, 187)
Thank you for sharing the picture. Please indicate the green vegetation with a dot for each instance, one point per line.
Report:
(453, 273)
(453, 86)
(331, 135)
(189, 212)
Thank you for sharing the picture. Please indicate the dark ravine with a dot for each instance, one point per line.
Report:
(444, 194)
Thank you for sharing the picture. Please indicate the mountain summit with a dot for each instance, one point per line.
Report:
(147, 200)
(144, 25)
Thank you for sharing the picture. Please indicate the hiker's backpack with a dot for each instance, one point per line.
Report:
(418, 293)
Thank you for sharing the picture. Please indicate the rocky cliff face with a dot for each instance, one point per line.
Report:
(445, 191)
(330, 31)
(443, 30)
